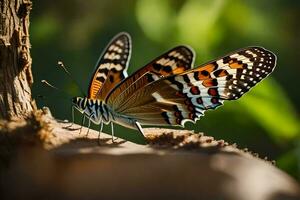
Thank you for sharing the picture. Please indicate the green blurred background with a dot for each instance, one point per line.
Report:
(266, 120)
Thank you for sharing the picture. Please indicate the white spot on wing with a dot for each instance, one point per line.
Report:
(112, 56)
(159, 98)
(120, 43)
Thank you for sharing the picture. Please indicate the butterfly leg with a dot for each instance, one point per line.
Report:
(82, 123)
(72, 111)
(100, 130)
(139, 127)
(112, 131)
(87, 133)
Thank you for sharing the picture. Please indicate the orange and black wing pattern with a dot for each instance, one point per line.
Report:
(182, 97)
(111, 67)
(175, 61)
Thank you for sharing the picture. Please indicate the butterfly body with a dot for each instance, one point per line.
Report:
(168, 91)
(98, 112)
(92, 109)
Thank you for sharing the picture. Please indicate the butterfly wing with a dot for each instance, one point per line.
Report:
(184, 97)
(111, 67)
(175, 61)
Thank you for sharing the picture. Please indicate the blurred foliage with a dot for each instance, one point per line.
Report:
(266, 120)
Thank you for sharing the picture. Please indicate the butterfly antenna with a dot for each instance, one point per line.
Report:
(48, 84)
(61, 64)
(53, 87)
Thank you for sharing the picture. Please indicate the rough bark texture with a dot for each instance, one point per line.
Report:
(15, 61)
(46, 160)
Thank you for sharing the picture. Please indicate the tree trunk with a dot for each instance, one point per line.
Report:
(15, 60)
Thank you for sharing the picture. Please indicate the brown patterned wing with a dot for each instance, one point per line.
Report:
(175, 61)
(184, 97)
(111, 67)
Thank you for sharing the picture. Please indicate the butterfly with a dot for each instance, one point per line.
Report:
(167, 91)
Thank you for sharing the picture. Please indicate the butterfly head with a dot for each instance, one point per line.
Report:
(79, 103)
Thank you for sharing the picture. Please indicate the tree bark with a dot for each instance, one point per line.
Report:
(15, 60)
(56, 162)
